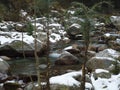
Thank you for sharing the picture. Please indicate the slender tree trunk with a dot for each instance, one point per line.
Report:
(48, 51)
(48, 61)
(35, 51)
(23, 52)
(83, 79)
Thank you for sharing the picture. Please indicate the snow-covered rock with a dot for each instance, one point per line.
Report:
(110, 53)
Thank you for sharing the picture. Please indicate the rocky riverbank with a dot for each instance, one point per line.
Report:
(67, 47)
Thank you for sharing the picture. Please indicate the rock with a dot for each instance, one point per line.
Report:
(14, 49)
(20, 27)
(31, 86)
(72, 49)
(102, 74)
(99, 62)
(97, 47)
(8, 51)
(43, 66)
(5, 58)
(11, 86)
(116, 21)
(3, 76)
(4, 66)
(109, 53)
(27, 78)
(73, 30)
(66, 59)
(114, 45)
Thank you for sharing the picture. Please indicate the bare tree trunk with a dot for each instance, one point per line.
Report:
(35, 51)
(23, 52)
(48, 51)
(83, 79)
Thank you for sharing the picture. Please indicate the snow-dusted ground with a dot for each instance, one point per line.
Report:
(112, 83)
(8, 37)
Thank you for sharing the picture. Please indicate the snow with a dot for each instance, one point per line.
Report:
(66, 79)
(8, 37)
(67, 48)
(1, 59)
(71, 12)
(75, 25)
(103, 58)
(99, 24)
(107, 84)
(54, 55)
(100, 70)
(99, 84)
(107, 34)
(110, 53)
(88, 86)
(55, 37)
(118, 41)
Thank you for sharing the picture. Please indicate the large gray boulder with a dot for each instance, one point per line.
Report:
(66, 58)
(109, 53)
(103, 59)
(99, 63)
(4, 66)
(74, 30)
(15, 48)
(101, 73)
(116, 21)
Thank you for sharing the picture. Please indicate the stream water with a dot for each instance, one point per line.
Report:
(27, 65)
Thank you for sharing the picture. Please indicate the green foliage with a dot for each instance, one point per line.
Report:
(2, 11)
(30, 28)
(116, 70)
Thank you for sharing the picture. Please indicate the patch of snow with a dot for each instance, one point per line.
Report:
(102, 58)
(11, 36)
(71, 12)
(66, 79)
(54, 37)
(23, 13)
(1, 59)
(107, 34)
(55, 24)
(54, 55)
(75, 25)
(67, 48)
(100, 70)
(88, 86)
(99, 24)
(118, 41)
(12, 81)
(107, 84)
(108, 53)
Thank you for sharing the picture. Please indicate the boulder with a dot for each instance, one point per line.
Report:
(116, 21)
(15, 48)
(4, 66)
(101, 73)
(5, 58)
(99, 62)
(73, 30)
(8, 51)
(66, 58)
(11, 86)
(109, 53)
(114, 45)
